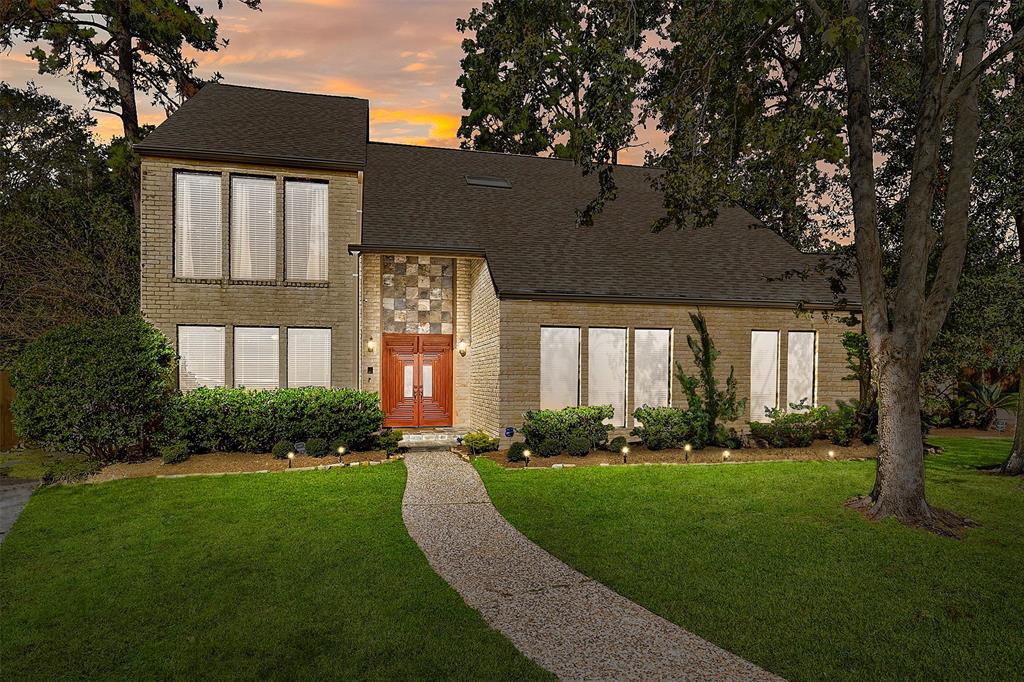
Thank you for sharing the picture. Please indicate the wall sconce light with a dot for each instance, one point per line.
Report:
(463, 347)
(371, 345)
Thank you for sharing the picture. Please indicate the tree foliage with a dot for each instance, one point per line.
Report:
(68, 240)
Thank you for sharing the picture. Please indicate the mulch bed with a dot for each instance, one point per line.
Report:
(712, 455)
(225, 463)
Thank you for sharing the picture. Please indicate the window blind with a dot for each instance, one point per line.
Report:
(253, 229)
(764, 373)
(256, 357)
(559, 367)
(201, 353)
(309, 357)
(606, 370)
(801, 367)
(305, 227)
(652, 361)
(198, 245)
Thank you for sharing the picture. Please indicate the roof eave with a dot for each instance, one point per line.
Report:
(527, 295)
(253, 159)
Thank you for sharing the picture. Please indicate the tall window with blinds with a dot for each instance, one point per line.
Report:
(606, 370)
(198, 236)
(559, 367)
(309, 357)
(253, 228)
(256, 357)
(201, 356)
(801, 367)
(652, 383)
(764, 373)
(305, 228)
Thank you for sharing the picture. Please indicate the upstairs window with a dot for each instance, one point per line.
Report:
(309, 357)
(606, 371)
(559, 367)
(764, 373)
(201, 356)
(198, 240)
(256, 357)
(253, 228)
(801, 367)
(305, 229)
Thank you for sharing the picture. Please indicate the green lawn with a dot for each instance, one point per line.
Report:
(275, 576)
(764, 560)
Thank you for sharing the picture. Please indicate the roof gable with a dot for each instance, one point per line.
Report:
(235, 123)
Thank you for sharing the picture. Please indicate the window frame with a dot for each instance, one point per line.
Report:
(579, 361)
(231, 217)
(778, 372)
(175, 172)
(814, 366)
(224, 346)
(330, 354)
(234, 355)
(284, 227)
(671, 350)
(625, 371)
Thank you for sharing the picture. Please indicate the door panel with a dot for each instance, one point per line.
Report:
(416, 386)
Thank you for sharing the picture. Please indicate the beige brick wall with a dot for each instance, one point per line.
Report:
(168, 302)
(485, 350)
(730, 328)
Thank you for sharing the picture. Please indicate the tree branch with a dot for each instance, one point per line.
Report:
(959, 86)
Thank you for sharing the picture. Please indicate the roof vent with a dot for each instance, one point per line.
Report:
(488, 181)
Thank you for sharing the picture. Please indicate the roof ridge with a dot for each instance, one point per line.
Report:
(289, 92)
(484, 151)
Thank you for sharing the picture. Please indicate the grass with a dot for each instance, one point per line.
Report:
(765, 561)
(27, 464)
(277, 576)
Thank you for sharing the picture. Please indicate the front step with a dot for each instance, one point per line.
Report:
(430, 440)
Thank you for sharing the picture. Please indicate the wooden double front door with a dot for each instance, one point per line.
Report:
(416, 379)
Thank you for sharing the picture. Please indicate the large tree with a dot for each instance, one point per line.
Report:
(68, 240)
(550, 76)
(111, 50)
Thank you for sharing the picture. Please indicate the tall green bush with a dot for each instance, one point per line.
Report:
(707, 404)
(99, 388)
(236, 419)
(549, 432)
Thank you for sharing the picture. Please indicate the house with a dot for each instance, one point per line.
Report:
(281, 247)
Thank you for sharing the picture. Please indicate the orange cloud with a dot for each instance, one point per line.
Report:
(238, 57)
(437, 126)
(344, 86)
(416, 67)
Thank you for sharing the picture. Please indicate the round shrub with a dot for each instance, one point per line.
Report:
(478, 442)
(617, 444)
(549, 447)
(578, 446)
(281, 449)
(317, 447)
(516, 452)
(175, 452)
(99, 388)
(389, 440)
(70, 470)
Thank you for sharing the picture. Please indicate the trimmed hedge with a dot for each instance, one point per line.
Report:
(549, 432)
(239, 420)
(98, 388)
(665, 427)
(479, 442)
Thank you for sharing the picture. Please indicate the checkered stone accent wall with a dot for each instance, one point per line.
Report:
(417, 294)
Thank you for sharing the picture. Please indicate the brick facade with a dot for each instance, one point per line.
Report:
(168, 301)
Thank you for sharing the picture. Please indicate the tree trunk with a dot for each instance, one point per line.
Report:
(899, 483)
(125, 76)
(1014, 464)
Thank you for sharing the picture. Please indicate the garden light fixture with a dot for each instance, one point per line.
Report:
(526, 454)
(291, 456)
(625, 453)
(831, 454)
(725, 454)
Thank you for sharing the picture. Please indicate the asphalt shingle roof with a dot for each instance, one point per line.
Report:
(236, 123)
(418, 198)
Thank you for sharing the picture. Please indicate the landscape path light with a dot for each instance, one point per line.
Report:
(526, 454)
(725, 454)
(625, 453)
(291, 457)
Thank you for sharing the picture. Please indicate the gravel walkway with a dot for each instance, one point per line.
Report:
(574, 626)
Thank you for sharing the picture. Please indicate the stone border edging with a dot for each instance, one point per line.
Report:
(320, 467)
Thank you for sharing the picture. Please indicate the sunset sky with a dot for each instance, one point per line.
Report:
(402, 55)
